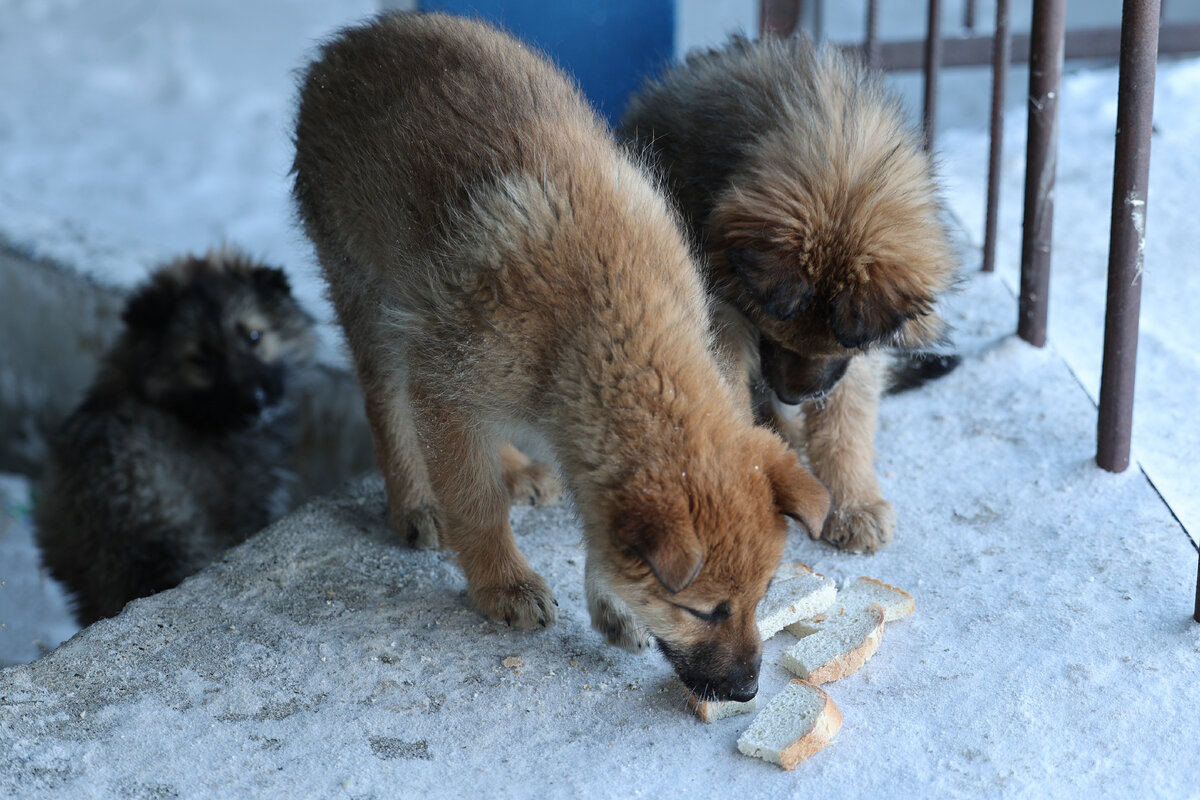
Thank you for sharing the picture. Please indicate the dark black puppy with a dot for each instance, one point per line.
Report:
(181, 447)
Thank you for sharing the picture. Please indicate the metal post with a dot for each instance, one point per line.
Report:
(1135, 118)
(933, 62)
(872, 43)
(1001, 56)
(969, 16)
(1045, 75)
(1196, 614)
(779, 17)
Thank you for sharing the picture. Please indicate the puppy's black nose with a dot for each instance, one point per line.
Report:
(744, 693)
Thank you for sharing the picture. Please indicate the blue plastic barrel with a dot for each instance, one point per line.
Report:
(608, 46)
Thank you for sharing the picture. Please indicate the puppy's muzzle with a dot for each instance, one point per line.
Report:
(710, 677)
(795, 378)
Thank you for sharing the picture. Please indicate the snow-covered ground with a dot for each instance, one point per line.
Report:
(1051, 653)
(1166, 430)
(132, 130)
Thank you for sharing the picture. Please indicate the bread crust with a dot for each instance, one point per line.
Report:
(904, 604)
(825, 726)
(828, 723)
(713, 710)
(776, 613)
(848, 662)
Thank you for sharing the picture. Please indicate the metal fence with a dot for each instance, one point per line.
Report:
(1138, 42)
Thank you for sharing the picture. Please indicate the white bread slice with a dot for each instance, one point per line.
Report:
(713, 710)
(840, 646)
(797, 722)
(896, 603)
(795, 593)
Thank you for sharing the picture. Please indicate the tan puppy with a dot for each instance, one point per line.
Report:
(500, 266)
(815, 207)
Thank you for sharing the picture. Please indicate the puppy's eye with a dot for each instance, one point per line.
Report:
(250, 336)
(719, 613)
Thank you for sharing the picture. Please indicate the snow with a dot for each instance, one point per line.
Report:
(34, 617)
(175, 137)
(1051, 652)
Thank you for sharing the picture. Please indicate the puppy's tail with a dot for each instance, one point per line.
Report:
(909, 370)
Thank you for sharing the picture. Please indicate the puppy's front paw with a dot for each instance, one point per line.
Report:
(523, 604)
(864, 528)
(618, 625)
(418, 526)
(534, 484)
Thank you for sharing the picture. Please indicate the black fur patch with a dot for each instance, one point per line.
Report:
(783, 296)
(151, 307)
(911, 370)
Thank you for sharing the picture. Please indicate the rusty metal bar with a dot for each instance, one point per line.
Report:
(933, 65)
(973, 51)
(871, 41)
(779, 17)
(1126, 250)
(1001, 55)
(1041, 154)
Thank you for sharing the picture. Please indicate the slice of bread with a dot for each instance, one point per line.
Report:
(795, 593)
(797, 722)
(713, 710)
(839, 647)
(896, 603)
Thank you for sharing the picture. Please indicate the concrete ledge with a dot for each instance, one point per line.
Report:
(55, 325)
(1051, 652)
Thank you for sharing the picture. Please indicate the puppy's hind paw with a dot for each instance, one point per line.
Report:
(533, 483)
(525, 604)
(862, 528)
(618, 625)
(418, 526)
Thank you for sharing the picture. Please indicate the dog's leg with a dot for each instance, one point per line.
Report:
(412, 506)
(528, 482)
(610, 615)
(411, 501)
(464, 469)
(840, 442)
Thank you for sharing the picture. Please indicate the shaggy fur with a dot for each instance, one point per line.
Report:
(181, 447)
(499, 266)
(815, 208)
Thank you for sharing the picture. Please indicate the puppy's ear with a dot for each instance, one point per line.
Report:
(150, 307)
(798, 494)
(873, 311)
(781, 292)
(660, 532)
(270, 280)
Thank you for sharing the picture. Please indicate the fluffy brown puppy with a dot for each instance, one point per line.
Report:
(499, 265)
(816, 210)
(182, 446)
